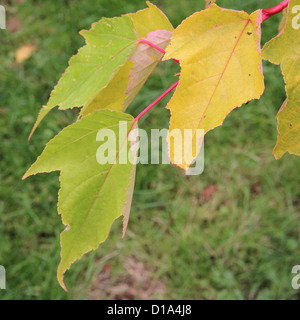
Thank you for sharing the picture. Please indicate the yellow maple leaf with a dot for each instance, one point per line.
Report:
(209, 3)
(285, 50)
(221, 69)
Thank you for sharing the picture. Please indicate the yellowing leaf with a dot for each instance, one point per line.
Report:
(220, 57)
(150, 19)
(152, 25)
(92, 195)
(209, 3)
(283, 20)
(285, 50)
(112, 97)
(132, 76)
(145, 60)
(95, 77)
(25, 52)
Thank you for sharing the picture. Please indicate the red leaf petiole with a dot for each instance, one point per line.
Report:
(156, 101)
(166, 92)
(155, 47)
(268, 13)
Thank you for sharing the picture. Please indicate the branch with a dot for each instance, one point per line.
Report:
(268, 13)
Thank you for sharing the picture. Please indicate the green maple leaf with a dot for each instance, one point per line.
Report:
(92, 195)
(102, 75)
(285, 50)
(132, 76)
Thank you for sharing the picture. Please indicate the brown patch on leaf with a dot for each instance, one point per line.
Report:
(136, 283)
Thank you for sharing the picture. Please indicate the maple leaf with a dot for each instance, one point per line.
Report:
(221, 69)
(96, 77)
(285, 50)
(132, 76)
(92, 195)
(283, 20)
(208, 3)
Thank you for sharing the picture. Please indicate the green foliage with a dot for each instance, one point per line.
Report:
(92, 196)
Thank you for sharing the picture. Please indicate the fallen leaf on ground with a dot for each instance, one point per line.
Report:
(13, 24)
(209, 192)
(25, 52)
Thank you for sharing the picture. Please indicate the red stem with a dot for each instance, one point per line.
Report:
(156, 101)
(268, 13)
(155, 47)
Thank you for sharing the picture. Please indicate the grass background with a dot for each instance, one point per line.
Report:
(231, 233)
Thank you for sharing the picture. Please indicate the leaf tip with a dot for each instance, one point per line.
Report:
(43, 112)
(31, 133)
(60, 278)
(26, 174)
(277, 154)
(61, 282)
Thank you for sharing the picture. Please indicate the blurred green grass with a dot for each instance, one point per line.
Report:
(241, 244)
